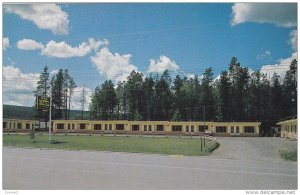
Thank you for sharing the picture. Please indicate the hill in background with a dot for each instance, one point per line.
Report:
(23, 112)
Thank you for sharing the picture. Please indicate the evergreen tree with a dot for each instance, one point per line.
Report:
(290, 90)
(134, 93)
(148, 93)
(177, 104)
(207, 94)
(276, 98)
(163, 102)
(239, 78)
(62, 84)
(43, 84)
(223, 98)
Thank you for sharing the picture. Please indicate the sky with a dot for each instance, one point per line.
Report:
(100, 41)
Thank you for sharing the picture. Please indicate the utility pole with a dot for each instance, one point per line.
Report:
(50, 110)
(82, 101)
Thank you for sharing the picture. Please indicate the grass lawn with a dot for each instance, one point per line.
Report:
(158, 145)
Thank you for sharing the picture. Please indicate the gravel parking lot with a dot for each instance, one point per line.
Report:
(253, 148)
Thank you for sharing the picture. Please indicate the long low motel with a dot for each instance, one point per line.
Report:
(141, 127)
(288, 129)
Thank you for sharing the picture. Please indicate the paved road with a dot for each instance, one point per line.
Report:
(247, 166)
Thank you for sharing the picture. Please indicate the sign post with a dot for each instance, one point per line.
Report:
(44, 104)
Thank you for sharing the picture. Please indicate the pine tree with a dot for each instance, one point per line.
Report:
(276, 98)
(290, 90)
(207, 95)
(134, 93)
(223, 98)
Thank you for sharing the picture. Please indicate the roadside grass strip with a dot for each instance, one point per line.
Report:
(197, 146)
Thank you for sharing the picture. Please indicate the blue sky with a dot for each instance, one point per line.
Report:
(107, 41)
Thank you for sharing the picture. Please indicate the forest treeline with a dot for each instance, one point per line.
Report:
(236, 95)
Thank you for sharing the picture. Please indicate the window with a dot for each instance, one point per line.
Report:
(120, 127)
(160, 128)
(69, 126)
(187, 128)
(19, 125)
(110, 127)
(135, 127)
(150, 127)
(249, 129)
(4, 125)
(27, 125)
(60, 126)
(221, 129)
(237, 129)
(73, 126)
(145, 127)
(105, 126)
(232, 129)
(81, 126)
(202, 128)
(192, 128)
(97, 126)
(176, 128)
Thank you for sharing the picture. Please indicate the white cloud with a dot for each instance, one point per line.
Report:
(53, 72)
(77, 97)
(294, 40)
(29, 44)
(280, 68)
(18, 87)
(5, 43)
(115, 67)
(265, 55)
(161, 64)
(43, 15)
(281, 14)
(189, 75)
(63, 50)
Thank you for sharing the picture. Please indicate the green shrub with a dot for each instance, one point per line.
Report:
(289, 154)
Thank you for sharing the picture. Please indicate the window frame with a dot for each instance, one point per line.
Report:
(60, 126)
(160, 128)
(222, 128)
(176, 128)
(97, 127)
(135, 127)
(246, 129)
(120, 125)
(81, 125)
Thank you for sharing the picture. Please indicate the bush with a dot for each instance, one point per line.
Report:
(289, 154)
(212, 146)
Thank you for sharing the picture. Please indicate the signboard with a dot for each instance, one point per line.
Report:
(42, 103)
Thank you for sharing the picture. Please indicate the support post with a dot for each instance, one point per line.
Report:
(50, 114)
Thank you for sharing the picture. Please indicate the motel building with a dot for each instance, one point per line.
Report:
(288, 129)
(158, 127)
(140, 127)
